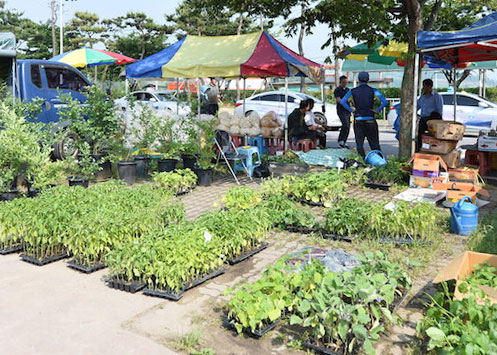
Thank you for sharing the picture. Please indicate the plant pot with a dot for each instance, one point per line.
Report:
(105, 172)
(78, 182)
(127, 171)
(166, 165)
(189, 161)
(142, 162)
(9, 195)
(204, 176)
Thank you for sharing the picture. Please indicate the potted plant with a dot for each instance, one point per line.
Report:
(205, 166)
(189, 154)
(126, 167)
(169, 152)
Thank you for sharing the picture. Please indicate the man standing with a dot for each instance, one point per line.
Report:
(430, 104)
(343, 114)
(213, 97)
(311, 123)
(365, 125)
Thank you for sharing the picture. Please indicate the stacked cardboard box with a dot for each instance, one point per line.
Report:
(443, 140)
(426, 170)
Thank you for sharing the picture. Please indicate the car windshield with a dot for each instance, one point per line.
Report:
(165, 96)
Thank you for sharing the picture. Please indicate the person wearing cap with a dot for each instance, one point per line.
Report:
(365, 125)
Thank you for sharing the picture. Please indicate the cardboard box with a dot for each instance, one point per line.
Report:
(426, 182)
(463, 266)
(452, 159)
(446, 129)
(487, 143)
(433, 145)
(459, 190)
(464, 175)
(426, 162)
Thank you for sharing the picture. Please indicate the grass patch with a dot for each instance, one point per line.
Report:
(188, 342)
(484, 239)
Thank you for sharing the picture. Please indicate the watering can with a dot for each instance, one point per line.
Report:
(376, 158)
(464, 217)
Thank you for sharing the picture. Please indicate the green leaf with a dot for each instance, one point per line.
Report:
(435, 334)
(294, 319)
(360, 331)
(274, 314)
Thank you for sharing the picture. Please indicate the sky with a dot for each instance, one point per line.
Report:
(39, 10)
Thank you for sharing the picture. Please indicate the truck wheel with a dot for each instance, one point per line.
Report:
(67, 146)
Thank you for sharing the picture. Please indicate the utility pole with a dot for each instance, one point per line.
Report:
(53, 20)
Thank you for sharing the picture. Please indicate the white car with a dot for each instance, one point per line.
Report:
(157, 100)
(275, 101)
(474, 111)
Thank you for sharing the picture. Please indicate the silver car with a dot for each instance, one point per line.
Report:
(157, 100)
(275, 101)
(474, 111)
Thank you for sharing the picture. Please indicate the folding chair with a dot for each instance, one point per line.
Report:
(227, 150)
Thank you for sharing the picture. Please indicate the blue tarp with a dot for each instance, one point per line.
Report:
(465, 45)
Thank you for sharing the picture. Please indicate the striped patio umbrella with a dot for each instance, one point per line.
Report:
(90, 57)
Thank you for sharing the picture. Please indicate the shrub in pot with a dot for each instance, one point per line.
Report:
(84, 168)
(205, 166)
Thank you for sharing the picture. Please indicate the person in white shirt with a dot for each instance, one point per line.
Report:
(311, 123)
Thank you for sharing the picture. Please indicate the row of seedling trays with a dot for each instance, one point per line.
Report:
(136, 286)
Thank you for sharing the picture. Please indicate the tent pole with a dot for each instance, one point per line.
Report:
(14, 81)
(245, 140)
(126, 86)
(484, 86)
(415, 102)
(177, 96)
(454, 87)
(286, 113)
(480, 86)
(198, 97)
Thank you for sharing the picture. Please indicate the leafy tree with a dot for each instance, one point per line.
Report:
(211, 18)
(85, 29)
(137, 35)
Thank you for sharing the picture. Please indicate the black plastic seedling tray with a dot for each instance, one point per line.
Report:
(343, 238)
(406, 240)
(45, 261)
(248, 254)
(84, 268)
(298, 229)
(184, 192)
(131, 287)
(11, 249)
(227, 323)
(373, 185)
(176, 296)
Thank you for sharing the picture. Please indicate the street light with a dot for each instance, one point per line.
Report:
(62, 26)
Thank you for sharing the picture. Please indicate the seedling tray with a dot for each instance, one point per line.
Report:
(84, 268)
(176, 296)
(227, 323)
(248, 254)
(406, 240)
(11, 249)
(373, 185)
(343, 238)
(131, 287)
(298, 229)
(45, 261)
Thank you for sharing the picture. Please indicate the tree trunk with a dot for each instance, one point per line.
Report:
(415, 18)
(301, 48)
(53, 20)
(448, 75)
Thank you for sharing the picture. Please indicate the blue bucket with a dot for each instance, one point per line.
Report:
(376, 158)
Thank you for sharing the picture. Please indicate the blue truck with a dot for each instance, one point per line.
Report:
(46, 80)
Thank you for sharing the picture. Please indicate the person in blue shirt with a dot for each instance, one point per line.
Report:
(365, 125)
(430, 104)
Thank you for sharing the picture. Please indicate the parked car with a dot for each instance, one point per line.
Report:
(474, 111)
(275, 101)
(157, 100)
